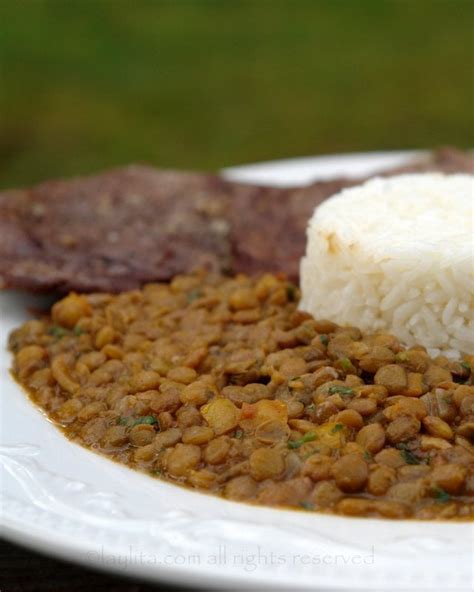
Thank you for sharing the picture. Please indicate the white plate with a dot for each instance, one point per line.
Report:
(63, 500)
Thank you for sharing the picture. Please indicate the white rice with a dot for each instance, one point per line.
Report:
(396, 255)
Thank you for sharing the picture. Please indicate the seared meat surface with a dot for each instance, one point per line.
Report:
(113, 231)
(120, 229)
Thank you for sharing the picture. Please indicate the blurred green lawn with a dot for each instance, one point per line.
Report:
(87, 84)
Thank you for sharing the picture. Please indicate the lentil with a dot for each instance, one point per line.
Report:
(223, 385)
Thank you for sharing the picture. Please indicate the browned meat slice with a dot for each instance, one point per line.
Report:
(445, 160)
(268, 226)
(119, 229)
(113, 231)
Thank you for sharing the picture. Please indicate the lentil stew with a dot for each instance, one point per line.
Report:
(225, 386)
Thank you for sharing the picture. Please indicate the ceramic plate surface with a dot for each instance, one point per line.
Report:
(66, 501)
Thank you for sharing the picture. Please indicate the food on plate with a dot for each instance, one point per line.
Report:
(396, 255)
(268, 226)
(123, 228)
(444, 160)
(223, 385)
(228, 383)
(112, 231)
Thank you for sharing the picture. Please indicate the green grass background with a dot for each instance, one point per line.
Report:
(87, 84)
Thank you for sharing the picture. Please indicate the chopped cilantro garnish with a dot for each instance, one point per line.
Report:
(146, 419)
(309, 437)
(466, 366)
(239, 434)
(130, 421)
(324, 339)
(311, 407)
(337, 428)
(57, 331)
(156, 473)
(440, 494)
(306, 505)
(410, 458)
(291, 292)
(346, 364)
(341, 390)
(195, 294)
(368, 456)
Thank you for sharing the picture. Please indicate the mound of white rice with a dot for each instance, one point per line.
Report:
(396, 255)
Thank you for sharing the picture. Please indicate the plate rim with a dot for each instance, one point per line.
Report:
(381, 158)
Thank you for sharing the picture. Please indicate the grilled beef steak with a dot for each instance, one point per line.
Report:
(120, 229)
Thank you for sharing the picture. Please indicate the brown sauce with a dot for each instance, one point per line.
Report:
(224, 386)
